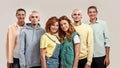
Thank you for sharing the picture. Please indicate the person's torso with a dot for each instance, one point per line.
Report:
(83, 31)
(67, 52)
(32, 45)
(98, 33)
(50, 43)
(17, 42)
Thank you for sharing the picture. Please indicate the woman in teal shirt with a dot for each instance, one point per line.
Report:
(70, 43)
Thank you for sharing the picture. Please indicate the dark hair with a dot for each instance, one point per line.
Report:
(94, 7)
(50, 22)
(20, 9)
(71, 29)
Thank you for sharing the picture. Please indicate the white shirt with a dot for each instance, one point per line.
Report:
(17, 46)
(76, 39)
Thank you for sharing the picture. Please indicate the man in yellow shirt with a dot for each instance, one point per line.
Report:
(86, 36)
(13, 40)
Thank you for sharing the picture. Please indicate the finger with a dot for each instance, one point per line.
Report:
(104, 62)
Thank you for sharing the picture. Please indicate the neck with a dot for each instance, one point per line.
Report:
(21, 23)
(77, 23)
(93, 20)
(34, 25)
(52, 33)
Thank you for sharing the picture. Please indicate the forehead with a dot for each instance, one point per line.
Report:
(63, 21)
(20, 12)
(54, 23)
(34, 14)
(92, 9)
(76, 12)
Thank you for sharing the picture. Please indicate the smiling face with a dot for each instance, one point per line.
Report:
(52, 25)
(92, 13)
(64, 25)
(76, 15)
(54, 28)
(20, 16)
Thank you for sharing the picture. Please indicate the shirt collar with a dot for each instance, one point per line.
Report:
(16, 25)
(97, 21)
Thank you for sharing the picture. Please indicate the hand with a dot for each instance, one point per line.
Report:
(9, 65)
(74, 66)
(106, 61)
(87, 66)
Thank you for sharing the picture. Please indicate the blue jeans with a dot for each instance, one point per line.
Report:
(16, 63)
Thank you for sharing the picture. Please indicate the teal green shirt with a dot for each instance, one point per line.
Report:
(101, 37)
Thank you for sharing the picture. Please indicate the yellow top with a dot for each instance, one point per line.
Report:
(47, 43)
(86, 45)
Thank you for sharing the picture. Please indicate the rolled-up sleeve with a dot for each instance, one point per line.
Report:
(107, 42)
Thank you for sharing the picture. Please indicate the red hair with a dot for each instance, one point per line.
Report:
(50, 22)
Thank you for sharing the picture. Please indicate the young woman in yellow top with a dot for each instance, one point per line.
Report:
(50, 45)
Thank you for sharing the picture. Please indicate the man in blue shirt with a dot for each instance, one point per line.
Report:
(101, 40)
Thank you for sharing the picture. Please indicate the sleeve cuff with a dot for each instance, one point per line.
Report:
(107, 45)
(89, 63)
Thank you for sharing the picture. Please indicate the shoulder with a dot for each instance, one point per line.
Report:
(102, 22)
(12, 26)
(43, 30)
(44, 36)
(88, 27)
(85, 25)
(74, 34)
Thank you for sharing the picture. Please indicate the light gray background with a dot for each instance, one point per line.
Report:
(109, 10)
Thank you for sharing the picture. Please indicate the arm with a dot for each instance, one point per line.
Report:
(107, 45)
(9, 48)
(90, 47)
(42, 57)
(107, 60)
(43, 45)
(77, 52)
(22, 49)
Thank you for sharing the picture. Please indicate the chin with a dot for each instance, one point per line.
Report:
(21, 20)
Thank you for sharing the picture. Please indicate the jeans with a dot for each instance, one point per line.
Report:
(53, 61)
(16, 63)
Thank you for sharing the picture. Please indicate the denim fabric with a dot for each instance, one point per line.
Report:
(53, 61)
(16, 63)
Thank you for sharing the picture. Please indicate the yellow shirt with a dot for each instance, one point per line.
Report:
(86, 45)
(47, 43)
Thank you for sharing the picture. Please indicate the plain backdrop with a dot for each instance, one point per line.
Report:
(108, 10)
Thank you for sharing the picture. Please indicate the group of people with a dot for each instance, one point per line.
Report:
(62, 44)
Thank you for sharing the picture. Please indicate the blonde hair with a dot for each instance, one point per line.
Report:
(33, 13)
(76, 10)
